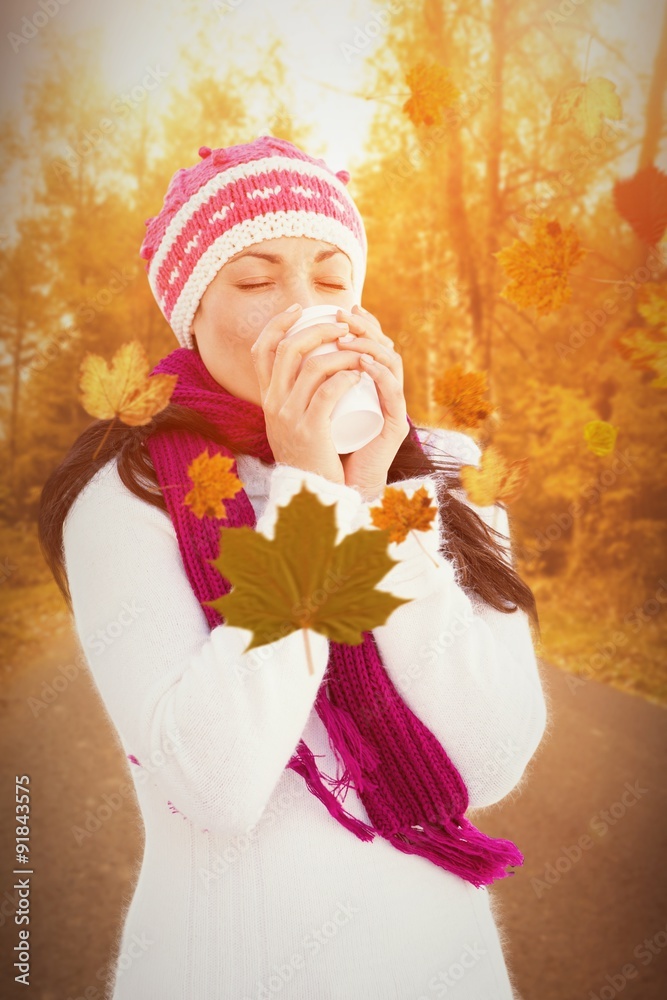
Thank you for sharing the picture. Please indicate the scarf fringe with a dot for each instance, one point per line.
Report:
(304, 764)
(476, 857)
(351, 749)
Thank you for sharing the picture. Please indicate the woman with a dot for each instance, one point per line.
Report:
(305, 834)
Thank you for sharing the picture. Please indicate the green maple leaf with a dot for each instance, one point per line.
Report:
(301, 579)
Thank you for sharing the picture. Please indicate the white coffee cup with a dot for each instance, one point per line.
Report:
(357, 416)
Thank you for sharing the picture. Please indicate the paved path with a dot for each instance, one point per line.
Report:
(577, 915)
(579, 911)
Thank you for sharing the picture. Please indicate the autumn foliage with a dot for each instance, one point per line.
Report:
(516, 215)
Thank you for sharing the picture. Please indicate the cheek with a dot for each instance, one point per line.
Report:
(239, 317)
(230, 326)
(253, 314)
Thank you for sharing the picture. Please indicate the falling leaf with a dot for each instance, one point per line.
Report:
(400, 514)
(124, 390)
(277, 583)
(600, 436)
(460, 393)
(213, 483)
(642, 201)
(586, 105)
(431, 91)
(495, 480)
(539, 271)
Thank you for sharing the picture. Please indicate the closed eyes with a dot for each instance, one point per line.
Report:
(264, 284)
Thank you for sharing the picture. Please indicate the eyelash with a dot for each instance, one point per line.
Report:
(265, 283)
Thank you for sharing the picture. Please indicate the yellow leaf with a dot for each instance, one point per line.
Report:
(539, 271)
(460, 393)
(124, 390)
(495, 480)
(301, 580)
(400, 514)
(213, 483)
(652, 303)
(586, 105)
(600, 436)
(431, 91)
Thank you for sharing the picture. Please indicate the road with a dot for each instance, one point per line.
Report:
(585, 918)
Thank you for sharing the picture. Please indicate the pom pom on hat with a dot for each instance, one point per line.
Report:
(204, 151)
(343, 176)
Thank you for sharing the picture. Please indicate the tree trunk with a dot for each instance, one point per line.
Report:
(494, 133)
(653, 126)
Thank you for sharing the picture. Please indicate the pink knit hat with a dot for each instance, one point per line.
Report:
(237, 196)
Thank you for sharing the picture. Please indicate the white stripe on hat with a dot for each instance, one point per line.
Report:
(226, 177)
(244, 234)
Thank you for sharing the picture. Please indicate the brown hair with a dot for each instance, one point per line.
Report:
(479, 558)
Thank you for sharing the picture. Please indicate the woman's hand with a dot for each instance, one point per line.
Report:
(367, 468)
(298, 398)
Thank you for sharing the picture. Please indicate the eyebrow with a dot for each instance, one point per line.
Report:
(274, 258)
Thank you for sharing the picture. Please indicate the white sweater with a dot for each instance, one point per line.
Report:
(249, 889)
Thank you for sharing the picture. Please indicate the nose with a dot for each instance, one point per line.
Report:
(298, 288)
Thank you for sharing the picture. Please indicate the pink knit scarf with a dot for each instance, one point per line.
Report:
(412, 792)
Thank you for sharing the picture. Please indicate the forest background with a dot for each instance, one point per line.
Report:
(486, 142)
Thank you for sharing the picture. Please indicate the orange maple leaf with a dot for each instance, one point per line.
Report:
(461, 395)
(400, 514)
(496, 479)
(539, 271)
(213, 483)
(431, 91)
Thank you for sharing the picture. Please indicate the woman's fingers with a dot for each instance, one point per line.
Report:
(280, 355)
(315, 373)
(291, 351)
(390, 389)
(388, 358)
(263, 351)
(328, 393)
(365, 323)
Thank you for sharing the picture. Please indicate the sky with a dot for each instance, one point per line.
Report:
(326, 76)
(140, 33)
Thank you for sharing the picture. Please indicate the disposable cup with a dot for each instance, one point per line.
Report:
(357, 416)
